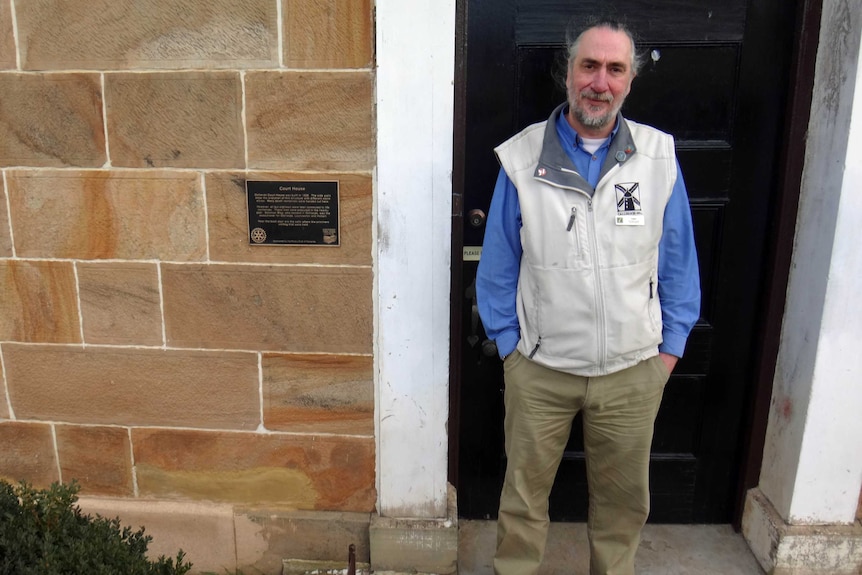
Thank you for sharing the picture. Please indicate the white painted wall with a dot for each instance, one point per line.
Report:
(812, 468)
(415, 75)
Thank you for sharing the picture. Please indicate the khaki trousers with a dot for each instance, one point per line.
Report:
(619, 411)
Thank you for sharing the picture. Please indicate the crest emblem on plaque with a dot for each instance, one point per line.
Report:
(258, 235)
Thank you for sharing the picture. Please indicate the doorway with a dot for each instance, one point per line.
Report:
(715, 79)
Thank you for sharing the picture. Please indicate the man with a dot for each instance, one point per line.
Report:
(588, 283)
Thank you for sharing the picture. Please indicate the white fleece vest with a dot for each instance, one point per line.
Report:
(587, 298)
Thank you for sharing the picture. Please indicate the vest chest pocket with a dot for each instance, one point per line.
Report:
(575, 236)
(554, 236)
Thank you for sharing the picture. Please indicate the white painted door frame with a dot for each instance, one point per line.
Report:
(413, 192)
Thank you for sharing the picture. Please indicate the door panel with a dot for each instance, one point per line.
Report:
(703, 81)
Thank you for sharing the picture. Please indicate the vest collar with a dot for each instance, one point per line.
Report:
(555, 167)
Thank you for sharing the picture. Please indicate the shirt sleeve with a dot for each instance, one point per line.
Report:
(678, 274)
(499, 265)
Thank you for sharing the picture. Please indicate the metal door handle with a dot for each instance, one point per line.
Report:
(476, 218)
(489, 348)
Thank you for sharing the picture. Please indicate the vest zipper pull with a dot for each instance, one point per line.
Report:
(650, 288)
(535, 349)
(572, 219)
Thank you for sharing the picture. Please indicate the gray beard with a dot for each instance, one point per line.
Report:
(593, 121)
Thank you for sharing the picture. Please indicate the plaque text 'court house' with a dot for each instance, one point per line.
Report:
(292, 213)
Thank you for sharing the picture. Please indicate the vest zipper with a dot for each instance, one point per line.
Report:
(601, 328)
(535, 349)
(572, 219)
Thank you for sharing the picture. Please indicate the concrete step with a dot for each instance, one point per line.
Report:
(664, 550)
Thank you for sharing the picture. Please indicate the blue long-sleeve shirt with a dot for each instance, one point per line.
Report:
(497, 276)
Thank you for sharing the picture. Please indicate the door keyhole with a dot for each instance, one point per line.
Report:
(476, 218)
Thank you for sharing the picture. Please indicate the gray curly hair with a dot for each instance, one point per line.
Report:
(573, 40)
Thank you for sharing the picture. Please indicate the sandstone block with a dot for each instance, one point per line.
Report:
(133, 386)
(99, 458)
(4, 404)
(272, 308)
(228, 221)
(310, 120)
(328, 34)
(108, 214)
(120, 303)
(267, 537)
(38, 302)
(175, 119)
(7, 41)
(51, 120)
(27, 454)
(292, 471)
(318, 393)
(59, 34)
(5, 238)
(204, 531)
(414, 546)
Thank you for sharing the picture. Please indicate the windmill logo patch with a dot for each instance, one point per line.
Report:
(629, 208)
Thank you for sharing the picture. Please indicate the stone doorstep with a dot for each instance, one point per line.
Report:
(303, 567)
(783, 549)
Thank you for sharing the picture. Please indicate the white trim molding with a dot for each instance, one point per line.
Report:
(415, 103)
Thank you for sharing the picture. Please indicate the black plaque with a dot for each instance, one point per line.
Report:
(292, 213)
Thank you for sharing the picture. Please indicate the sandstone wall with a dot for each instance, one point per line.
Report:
(147, 349)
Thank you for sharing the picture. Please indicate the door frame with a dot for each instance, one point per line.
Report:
(779, 244)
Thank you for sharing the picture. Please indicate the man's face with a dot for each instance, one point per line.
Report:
(598, 81)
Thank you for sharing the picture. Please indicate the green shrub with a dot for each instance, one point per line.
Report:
(43, 532)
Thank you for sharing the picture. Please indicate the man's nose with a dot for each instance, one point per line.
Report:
(600, 80)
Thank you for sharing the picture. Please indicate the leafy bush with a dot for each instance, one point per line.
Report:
(43, 532)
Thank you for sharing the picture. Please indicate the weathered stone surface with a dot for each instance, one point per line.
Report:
(4, 404)
(175, 119)
(416, 545)
(110, 35)
(38, 302)
(51, 120)
(293, 471)
(228, 221)
(204, 531)
(133, 386)
(120, 303)
(27, 454)
(328, 33)
(7, 40)
(799, 549)
(99, 458)
(108, 214)
(266, 537)
(859, 508)
(271, 308)
(318, 393)
(5, 238)
(310, 120)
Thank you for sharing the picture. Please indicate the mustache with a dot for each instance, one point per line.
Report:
(605, 97)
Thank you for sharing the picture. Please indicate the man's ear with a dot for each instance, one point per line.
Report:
(629, 89)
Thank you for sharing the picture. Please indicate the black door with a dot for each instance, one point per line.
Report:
(715, 78)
